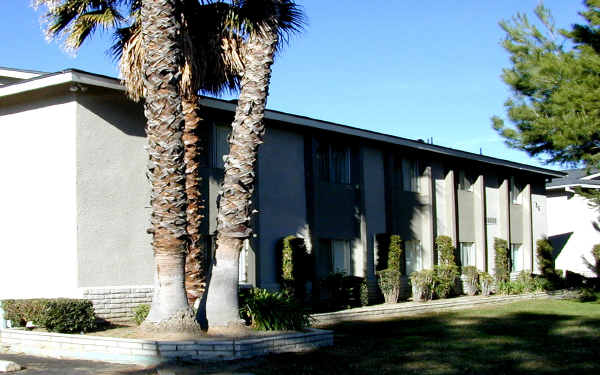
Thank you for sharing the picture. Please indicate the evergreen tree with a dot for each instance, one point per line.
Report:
(555, 82)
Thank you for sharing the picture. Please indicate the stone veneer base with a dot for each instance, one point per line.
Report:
(149, 352)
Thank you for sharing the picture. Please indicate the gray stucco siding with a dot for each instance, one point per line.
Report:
(466, 216)
(281, 197)
(112, 193)
(516, 223)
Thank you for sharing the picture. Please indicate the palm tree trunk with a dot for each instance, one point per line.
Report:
(195, 262)
(238, 185)
(160, 28)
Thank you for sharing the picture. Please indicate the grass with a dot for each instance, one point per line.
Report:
(541, 336)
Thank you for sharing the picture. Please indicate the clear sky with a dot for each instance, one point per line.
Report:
(415, 69)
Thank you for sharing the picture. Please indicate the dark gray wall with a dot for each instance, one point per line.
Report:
(281, 197)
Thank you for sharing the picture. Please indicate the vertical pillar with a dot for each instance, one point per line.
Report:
(428, 215)
(450, 188)
(528, 245)
(479, 223)
(504, 210)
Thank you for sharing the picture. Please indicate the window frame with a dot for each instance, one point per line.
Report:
(413, 246)
(472, 250)
(516, 265)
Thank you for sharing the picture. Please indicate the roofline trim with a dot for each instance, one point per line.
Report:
(586, 186)
(19, 73)
(82, 77)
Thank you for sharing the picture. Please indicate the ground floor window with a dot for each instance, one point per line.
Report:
(414, 256)
(467, 254)
(516, 257)
(340, 256)
(243, 266)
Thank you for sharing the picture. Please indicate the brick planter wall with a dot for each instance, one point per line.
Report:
(146, 352)
(116, 304)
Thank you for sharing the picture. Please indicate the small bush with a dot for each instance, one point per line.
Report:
(505, 287)
(596, 255)
(486, 282)
(364, 293)
(140, 313)
(545, 258)
(56, 315)
(69, 315)
(526, 282)
(502, 260)
(295, 264)
(423, 285)
(471, 276)
(445, 250)
(274, 311)
(344, 291)
(395, 253)
(389, 283)
(445, 278)
(586, 295)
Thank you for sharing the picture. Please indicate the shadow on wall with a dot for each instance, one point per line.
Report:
(558, 242)
(118, 111)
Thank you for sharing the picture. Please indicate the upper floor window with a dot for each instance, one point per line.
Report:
(515, 191)
(405, 174)
(340, 256)
(465, 181)
(333, 162)
(220, 145)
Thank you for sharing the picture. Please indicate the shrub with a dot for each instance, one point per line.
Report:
(445, 250)
(596, 255)
(69, 315)
(486, 282)
(423, 285)
(344, 291)
(295, 265)
(395, 253)
(526, 282)
(364, 293)
(545, 258)
(140, 313)
(504, 287)
(57, 315)
(271, 311)
(22, 311)
(389, 283)
(502, 261)
(445, 277)
(586, 295)
(471, 276)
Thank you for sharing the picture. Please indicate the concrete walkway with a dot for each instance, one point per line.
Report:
(411, 308)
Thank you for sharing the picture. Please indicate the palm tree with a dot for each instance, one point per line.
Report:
(269, 22)
(75, 20)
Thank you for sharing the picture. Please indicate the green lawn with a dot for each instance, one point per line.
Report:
(541, 336)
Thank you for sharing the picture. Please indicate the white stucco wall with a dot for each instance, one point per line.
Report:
(37, 198)
(570, 213)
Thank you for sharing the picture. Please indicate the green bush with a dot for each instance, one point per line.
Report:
(586, 295)
(596, 255)
(486, 282)
(445, 278)
(423, 285)
(56, 315)
(140, 313)
(505, 287)
(344, 291)
(395, 253)
(471, 276)
(295, 264)
(445, 250)
(22, 311)
(527, 282)
(389, 283)
(364, 293)
(274, 311)
(545, 258)
(502, 260)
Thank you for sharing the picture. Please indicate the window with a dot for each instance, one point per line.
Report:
(413, 256)
(340, 256)
(467, 254)
(410, 175)
(516, 257)
(221, 145)
(333, 163)
(243, 266)
(515, 191)
(465, 181)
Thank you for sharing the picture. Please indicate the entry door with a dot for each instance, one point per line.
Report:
(341, 256)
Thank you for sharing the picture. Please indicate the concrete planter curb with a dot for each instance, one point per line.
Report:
(409, 308)
(149, 352)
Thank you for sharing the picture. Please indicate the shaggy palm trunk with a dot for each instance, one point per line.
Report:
(195, 262)
(170, 310)
(238, 185)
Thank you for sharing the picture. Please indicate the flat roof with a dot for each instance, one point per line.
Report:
(82, 77)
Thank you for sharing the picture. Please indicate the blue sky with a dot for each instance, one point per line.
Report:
(415, 69)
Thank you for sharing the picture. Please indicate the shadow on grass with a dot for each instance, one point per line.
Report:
(447, 343)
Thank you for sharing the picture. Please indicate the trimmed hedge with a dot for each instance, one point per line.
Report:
(140, 313)
(502, 261)
(56, 315)
(596, 255)
(295, 266)
(445, 250)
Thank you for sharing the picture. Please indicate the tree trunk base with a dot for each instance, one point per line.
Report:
(181, 322)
